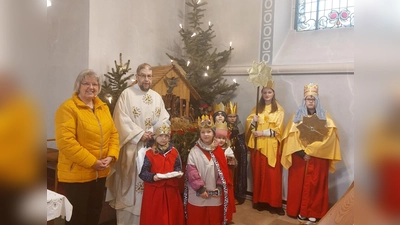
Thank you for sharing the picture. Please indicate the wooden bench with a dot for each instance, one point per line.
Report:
(342, 212)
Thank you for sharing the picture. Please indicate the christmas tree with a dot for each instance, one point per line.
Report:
(115, 83)
(202, 63)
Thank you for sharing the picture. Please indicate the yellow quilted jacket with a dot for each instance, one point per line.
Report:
(82, 137)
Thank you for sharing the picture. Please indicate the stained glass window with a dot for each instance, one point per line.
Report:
(324, 14)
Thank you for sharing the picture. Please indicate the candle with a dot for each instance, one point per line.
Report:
(209, 23)
(230, 44)
(180, 25)
(208, 67)
(234, 81)
(194, 34)
(205, 74)
(188, 62)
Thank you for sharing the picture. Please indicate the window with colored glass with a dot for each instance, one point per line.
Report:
(324, 14)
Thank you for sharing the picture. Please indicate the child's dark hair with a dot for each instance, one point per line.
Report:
(219, 112)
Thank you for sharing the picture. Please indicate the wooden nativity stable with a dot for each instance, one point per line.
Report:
(171, 83)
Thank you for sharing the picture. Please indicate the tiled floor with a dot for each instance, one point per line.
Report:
(246, 215)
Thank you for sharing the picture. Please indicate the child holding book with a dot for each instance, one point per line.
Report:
(162, 202)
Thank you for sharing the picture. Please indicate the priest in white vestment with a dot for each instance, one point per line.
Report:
(137, 110)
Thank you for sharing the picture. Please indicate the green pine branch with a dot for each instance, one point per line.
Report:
(116, 81)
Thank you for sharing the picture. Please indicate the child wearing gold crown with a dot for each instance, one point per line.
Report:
(239, 148)
(219, 114)
(222, 139)
(264, 130)
(160, 172)
(309, 162)
(206, 191)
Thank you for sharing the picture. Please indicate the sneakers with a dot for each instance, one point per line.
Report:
(301, 218)
(310, 220)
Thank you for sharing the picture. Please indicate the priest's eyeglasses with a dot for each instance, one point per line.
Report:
(145, 76)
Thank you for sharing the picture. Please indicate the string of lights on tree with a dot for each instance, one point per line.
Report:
(203, 64)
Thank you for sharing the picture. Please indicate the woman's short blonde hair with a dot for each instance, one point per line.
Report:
(82, 75)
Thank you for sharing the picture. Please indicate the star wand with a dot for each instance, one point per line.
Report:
(259, 75)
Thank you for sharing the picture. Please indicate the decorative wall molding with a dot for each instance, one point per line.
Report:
(331, 68)
(267, 31)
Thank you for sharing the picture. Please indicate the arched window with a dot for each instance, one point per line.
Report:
(324, 14)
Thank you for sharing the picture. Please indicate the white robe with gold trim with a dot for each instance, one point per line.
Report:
(134, 113)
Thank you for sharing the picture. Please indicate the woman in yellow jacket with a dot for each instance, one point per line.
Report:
(88, 143)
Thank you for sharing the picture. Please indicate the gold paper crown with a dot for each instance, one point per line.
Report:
(218, 107)
(231, 108)
(205, 122)
(164, 129)
(221, 126)
(311, 89)
(270, 84)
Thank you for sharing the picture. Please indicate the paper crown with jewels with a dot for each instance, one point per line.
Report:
(218, 107)
(311, 89)
(163, 129)
(231, 108)
(205, 122)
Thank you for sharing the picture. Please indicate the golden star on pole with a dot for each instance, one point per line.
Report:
(259, 74)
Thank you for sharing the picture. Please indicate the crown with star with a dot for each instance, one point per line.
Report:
(163, 129)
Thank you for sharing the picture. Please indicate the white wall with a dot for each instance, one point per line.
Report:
(68, 39)
(237, 21)
(143, 31)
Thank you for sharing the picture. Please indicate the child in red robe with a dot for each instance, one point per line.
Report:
(162, 167)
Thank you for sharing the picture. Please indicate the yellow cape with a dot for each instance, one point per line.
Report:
(268, 146)
(328, 148)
